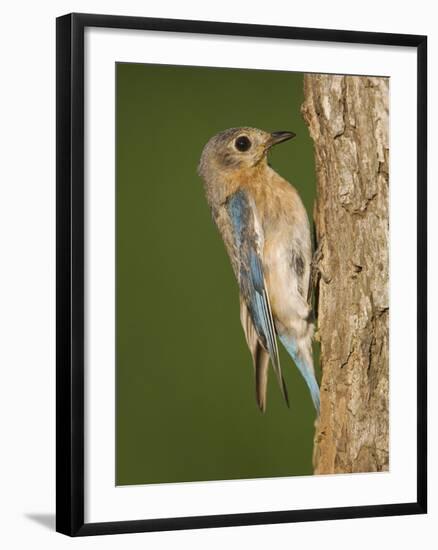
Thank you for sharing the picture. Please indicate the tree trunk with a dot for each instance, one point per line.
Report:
(348, 122)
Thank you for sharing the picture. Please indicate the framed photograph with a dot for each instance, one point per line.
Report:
(241, 274)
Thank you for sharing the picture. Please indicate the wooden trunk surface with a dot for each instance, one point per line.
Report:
(348, 120)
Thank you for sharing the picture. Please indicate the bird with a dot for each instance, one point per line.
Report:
(266, 231)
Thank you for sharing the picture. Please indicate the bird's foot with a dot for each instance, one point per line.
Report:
(317, 270)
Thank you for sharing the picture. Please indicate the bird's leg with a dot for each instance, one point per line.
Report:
(316, 269)
(316, 273)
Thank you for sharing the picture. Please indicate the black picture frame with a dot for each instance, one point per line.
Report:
(70, 273)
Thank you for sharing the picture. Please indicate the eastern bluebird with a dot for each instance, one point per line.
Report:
(266, 232)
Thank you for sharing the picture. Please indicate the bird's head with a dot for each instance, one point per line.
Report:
(238, 148)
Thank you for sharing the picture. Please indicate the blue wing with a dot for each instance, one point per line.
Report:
(247, 239)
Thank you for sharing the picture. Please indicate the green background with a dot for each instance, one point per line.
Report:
(186, 408)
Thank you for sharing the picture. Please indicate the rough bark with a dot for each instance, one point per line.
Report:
(348, 121)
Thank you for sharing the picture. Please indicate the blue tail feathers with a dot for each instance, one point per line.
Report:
(305, 370)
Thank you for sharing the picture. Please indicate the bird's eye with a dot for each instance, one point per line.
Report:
(242, 143)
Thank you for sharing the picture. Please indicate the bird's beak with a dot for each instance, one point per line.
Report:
(279, 137)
